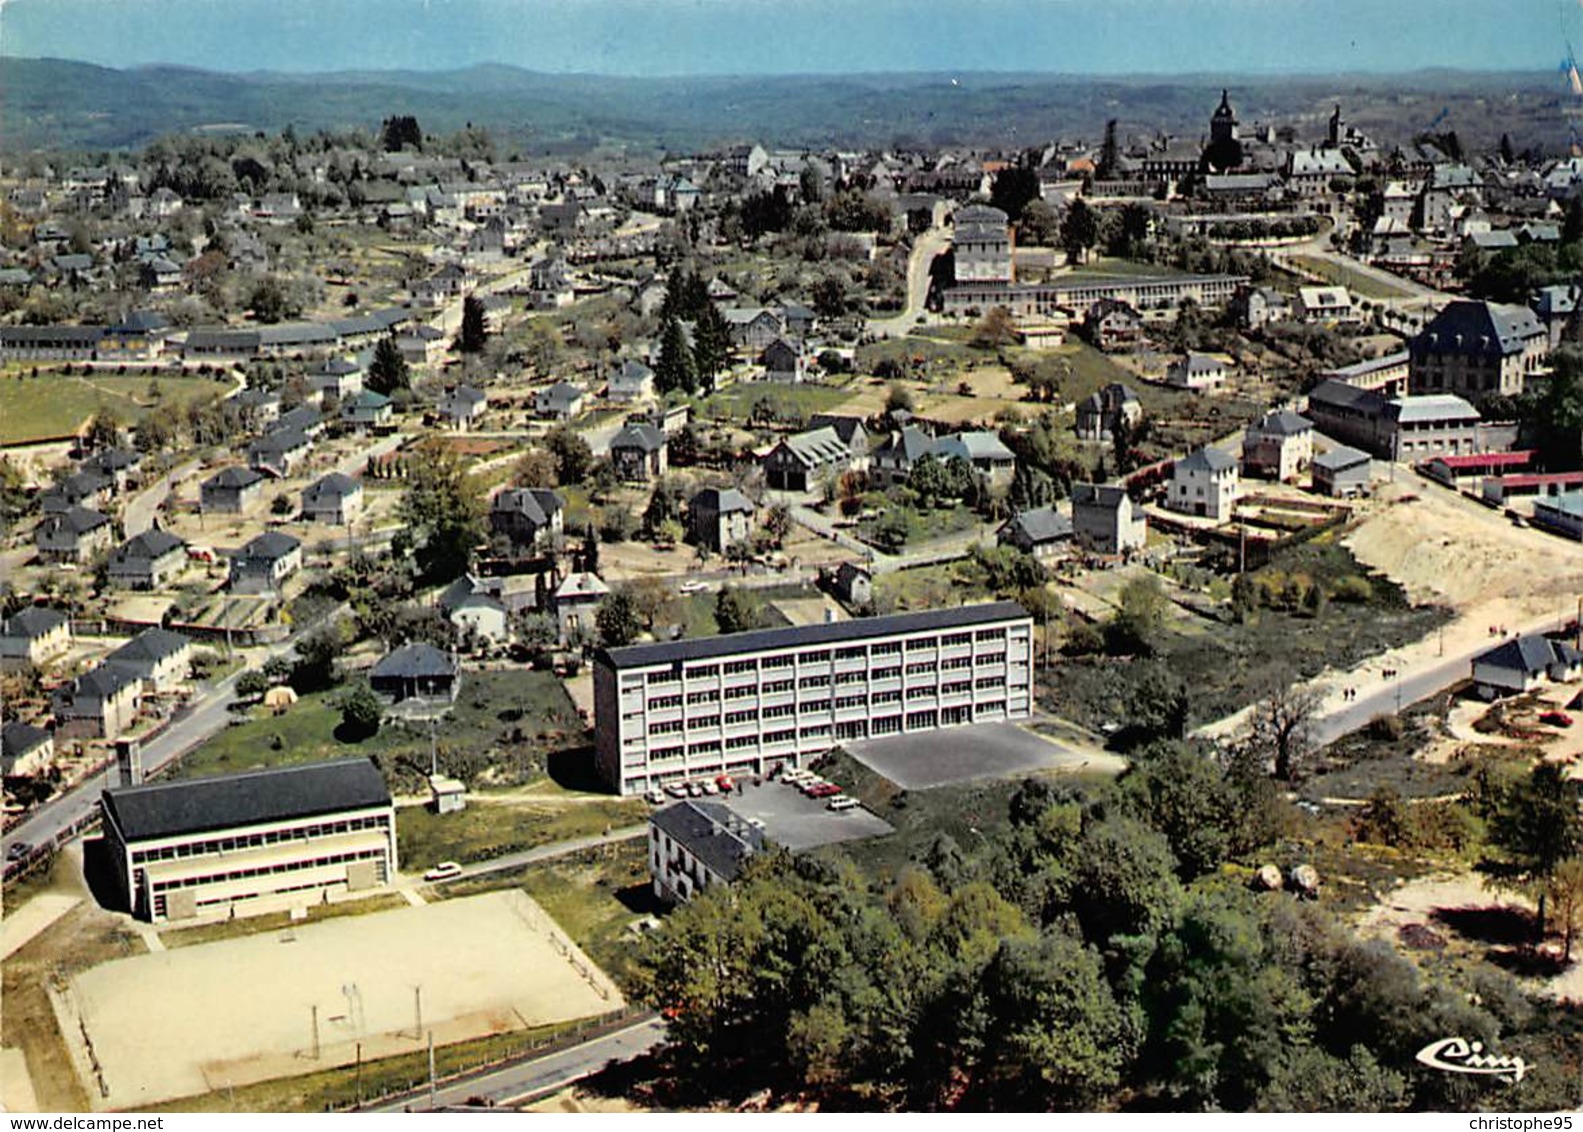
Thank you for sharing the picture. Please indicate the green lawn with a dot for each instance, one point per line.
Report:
(488, 829)
(511, 720)
(53, 404)
(595, 896)
(1105, 268)
(735, 401)
(1365, 285)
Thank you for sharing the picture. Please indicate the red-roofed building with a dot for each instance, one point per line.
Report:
(1498, 489)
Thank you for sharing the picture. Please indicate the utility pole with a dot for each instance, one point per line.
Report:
(315, 1009)
(417, 1010)
(431, 1070)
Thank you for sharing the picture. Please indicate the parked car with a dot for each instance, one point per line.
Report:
(18, 850)
(694, 587)
(824, 790)
(726, 783)
(676, 790)
(694, 790)
(445, 870)
(708, 786)
(1556, 719)
(841, 803)
(655, 796)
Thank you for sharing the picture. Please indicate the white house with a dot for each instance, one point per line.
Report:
(1204, 484)
(1196, 371)
(1522, 664)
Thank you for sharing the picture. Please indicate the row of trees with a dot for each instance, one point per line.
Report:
(1092, 953)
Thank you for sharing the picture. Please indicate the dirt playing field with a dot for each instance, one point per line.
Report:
(177, 1023)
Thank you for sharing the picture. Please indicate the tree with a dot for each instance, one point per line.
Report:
(995, 329)
(737, 611)
(573, 456)
(103, 431)
(269, 301)
(1565, 893)
(1183, 793)
(778, 524)
(317, 654)
(1533, 828)
(1013, 189)
(618, 619)
(675, 370)
(361, 712)
(251, 685)
(1139, 618)
(712, 344)
(1126, 881)
(1283, 724)
(1556, 414)
(1079, 231)
(898, 398)
(1040, 226)
(399, 131)
(442, 513)
(536, 468)
(388, 370)
(473, 336)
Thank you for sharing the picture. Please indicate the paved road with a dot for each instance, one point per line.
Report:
(925, 248)
(550, 852)
(138, 515)
(209, 715)
(520, 1082)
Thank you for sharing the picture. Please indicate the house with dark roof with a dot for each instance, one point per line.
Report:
(368, 410)
(478, 615)
(305, 419)
(337, 377)
(1113, 325)
(638, 453)
(463, 406)
(530, 518)
(893, 459)
(720, 518)
(147, 561)
(419, 672)
(102, 703)
(34, 635)
(783, 362)
(1521, 664)
(262, 565)
(694, 845)
(853, 432)
(630, 383)
(574, 602)
(1196, 371)
(1278, 446)
(77, 534)
(1099, 414)
(1204, 484)
(1477, 349)
(118, 465)
(851, 583)
(561, 401)
(25, 750)
(259, 408)
(230, 844)
(84, 488)
(335, 499)
(1342, 472)
(983, 451)
(1106, 521)
(279, 452)
(231, 491)
(798, 462)
(1042, 532)
(159, 658)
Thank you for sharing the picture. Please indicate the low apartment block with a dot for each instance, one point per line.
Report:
(743, 702)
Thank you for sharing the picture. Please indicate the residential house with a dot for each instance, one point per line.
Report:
(1278, 446)
(422, 345)
(147, 561)
(982, 242)
(264, 563)
(118, 465)
(100, 704)
(753, 328)
(75, 535)
(368, 410)
(718, 519)
(1253, 307)
(984, 451)
(478, 615)
(335, 499)
(631, 383)
(1478, 349)
(280, 452)
(1342, 472)
(852, 584)
(1106, 521)
(895, 457)
(1522, 664)
(417, 671)
(1204, 484)
(637, 453)
(159, 658)
(783, 362)
(1113, 325)
(853, 433)
(25, 750)
(797, 462)
(1042, 532)
(259, 408)
(338, 377)
(529, 517)
(1196, 371)
(574, 603)
(35, 635)
(463, 407)
(1324, 304)
(561, 401)
(80, 489)
(1099, 413)
(232, 491)
(695, 845)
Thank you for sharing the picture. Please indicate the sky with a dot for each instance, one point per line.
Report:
(744, 37)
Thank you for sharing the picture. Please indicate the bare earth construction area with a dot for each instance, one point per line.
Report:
(177, 1023)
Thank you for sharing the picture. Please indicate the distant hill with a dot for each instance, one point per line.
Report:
(52, 103)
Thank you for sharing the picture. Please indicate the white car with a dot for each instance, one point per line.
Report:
(694, 587)
(445, 870)
(655, 797)
(841, 802)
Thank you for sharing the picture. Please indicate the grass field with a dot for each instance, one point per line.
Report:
(511, 720)
(55, 405)
(493, 827)
(1359, 284)
(736, 401)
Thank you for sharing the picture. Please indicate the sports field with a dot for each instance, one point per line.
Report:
(53, 405)
(197, 1019)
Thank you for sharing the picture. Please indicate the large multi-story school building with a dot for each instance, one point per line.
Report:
(743, 702)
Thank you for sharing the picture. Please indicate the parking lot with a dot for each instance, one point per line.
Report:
(961, 754)
(798, 822)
